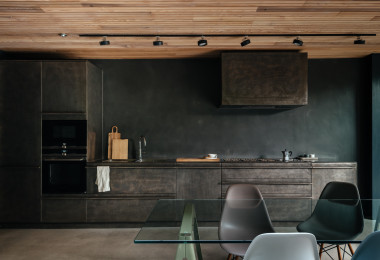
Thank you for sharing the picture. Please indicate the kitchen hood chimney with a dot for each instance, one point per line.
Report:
(264, 79)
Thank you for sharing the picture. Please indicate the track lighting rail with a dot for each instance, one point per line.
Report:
(227, 35)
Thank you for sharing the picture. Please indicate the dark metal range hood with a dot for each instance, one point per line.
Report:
(264, 80)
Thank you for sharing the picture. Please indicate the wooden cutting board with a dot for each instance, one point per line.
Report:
(111, 136)
(197, 160)
(120, 149)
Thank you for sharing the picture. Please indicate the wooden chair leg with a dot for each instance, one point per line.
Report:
(339, 254)
(351, 249)
(229, 257)
(320, 250)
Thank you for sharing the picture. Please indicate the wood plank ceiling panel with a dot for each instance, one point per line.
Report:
(34, 27)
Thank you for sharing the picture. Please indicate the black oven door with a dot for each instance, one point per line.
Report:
(63, 176)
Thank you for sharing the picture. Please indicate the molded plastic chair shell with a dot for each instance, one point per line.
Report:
(284, 246)
(369, 248)
(244, 217)
(338, 214)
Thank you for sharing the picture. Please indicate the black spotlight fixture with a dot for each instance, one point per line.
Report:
(157, 42)
(359, 40)
(104, 41)
(245, 41)
(297, 41)
(202, 42)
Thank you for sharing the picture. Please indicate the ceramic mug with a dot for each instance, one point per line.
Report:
(212, 156)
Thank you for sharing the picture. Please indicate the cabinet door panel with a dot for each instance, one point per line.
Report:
(119, 210)
(20, 189)
(20, 113)
(198, 183)
(289, 210)
(64, 210)
(324, 175)
(63, 87)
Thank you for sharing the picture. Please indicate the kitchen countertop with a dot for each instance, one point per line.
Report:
(234, 162)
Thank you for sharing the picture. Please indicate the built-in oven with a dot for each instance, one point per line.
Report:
(64, 150)
(63, 175)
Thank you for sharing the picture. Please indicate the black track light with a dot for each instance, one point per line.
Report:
(359, 40)
(104, 41)
(157, 42)
(297, 41)
(245, 41)
(202, 42)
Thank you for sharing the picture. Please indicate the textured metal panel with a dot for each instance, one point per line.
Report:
(20, 113)
(264, 79)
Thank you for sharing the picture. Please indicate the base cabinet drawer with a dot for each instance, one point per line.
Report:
(64, 210)
(119, 210)
(280, 190)
(289, 209)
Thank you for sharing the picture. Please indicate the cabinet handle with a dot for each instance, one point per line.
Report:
(63, 160)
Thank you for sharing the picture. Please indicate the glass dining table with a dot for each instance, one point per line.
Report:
(190, 223)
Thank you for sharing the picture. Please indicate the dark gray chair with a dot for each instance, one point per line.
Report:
(338, 216)
(369, 248)
(244, 217)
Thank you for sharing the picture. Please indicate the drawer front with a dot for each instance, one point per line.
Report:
(289, 210)
(279, 190)
(64, 210)
(198, 184)
(266, 176)
(119, 210)
(141, 181)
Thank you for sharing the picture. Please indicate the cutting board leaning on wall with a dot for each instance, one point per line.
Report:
(117, 147)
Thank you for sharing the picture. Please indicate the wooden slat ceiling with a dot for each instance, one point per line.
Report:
(33, 27)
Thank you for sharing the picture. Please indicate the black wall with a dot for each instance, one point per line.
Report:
(174, 103)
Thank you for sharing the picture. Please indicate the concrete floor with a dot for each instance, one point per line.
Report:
(19, 244)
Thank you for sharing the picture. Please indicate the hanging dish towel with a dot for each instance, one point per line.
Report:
(103, 178)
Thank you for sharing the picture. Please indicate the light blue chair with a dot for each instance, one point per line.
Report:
(369, 249)
(284, 246)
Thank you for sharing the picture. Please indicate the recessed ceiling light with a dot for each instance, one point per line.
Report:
(104, 41)
(62, 34)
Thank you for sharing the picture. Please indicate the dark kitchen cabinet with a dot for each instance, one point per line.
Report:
(20, 113)
(141, 181)
(324, 173)
(20, 189)
(273, 180)
(63, 87)
(63, 210)
(134, 192)
(199, 181)
(20, 141)
(119, 210)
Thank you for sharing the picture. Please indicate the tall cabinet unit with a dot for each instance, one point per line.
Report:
(72, 90)
(20, 141)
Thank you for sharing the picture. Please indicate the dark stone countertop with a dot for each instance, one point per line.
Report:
(227, 163)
